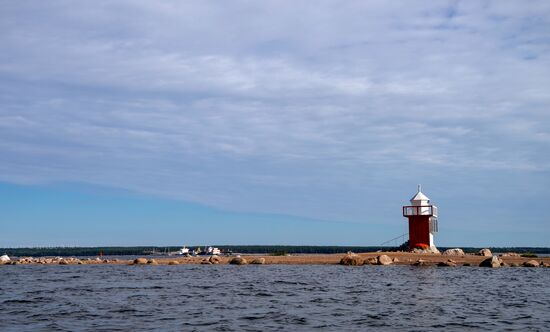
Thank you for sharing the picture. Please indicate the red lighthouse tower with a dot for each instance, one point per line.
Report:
(422, 221)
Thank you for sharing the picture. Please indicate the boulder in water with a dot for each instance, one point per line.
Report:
(454, 252)
(485, 252)
(384, 260)
(492, 261)
(238, 261)
(531, 263)
(259, 260)
(351, 259)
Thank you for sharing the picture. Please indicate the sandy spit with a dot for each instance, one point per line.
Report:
(400, 258)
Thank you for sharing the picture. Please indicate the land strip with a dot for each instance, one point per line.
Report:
(397, 258)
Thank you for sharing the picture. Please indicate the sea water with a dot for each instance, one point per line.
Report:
(272, 297)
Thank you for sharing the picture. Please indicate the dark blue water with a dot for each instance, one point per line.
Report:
(272, 297)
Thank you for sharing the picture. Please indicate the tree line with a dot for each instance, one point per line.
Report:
(243, 249)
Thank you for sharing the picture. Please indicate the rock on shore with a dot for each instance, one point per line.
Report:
(238, 261)
(430, 250)
(454, 252)
(531, 263)
(258, 261)
(214, 259)
(421, 262)
(351, 259)
(371, 261)
(449, 262)
(493, 262)
(485, 252)
(384, 260)
(140, 261)
(42, 260)
(4, 259)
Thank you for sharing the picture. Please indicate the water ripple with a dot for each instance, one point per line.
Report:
(271, 298)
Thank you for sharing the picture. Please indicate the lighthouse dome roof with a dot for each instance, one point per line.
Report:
(420, 196)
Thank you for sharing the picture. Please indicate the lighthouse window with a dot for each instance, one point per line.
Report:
(433, 225)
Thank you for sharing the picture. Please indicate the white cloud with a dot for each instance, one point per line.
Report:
(263, 106)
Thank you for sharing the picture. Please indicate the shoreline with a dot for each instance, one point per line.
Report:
(369, 258)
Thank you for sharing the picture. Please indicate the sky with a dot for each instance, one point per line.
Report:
(273, 122)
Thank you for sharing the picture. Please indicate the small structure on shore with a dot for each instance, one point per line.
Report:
(422, 218)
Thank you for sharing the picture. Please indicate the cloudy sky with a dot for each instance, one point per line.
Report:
(273, 122)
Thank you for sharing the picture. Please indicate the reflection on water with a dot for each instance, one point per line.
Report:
(272, 297)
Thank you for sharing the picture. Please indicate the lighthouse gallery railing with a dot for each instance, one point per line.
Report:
(422, 210)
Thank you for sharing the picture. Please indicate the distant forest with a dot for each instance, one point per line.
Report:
(249, 249)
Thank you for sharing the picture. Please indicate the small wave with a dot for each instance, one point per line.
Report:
(18, 301)
(124, 311)
(252, 317)
(285, 282)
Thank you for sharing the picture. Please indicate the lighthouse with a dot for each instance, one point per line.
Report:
(422, 218)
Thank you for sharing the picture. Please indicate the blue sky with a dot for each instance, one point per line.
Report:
(169, 122)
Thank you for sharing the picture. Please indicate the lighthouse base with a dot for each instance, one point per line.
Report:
(420, 235)
(430, 250)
